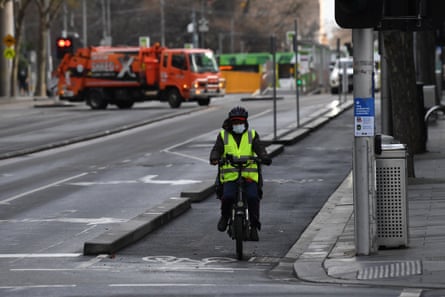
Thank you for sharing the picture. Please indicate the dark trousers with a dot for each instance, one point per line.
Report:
(253, 201)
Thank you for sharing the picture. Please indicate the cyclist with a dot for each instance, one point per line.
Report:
(236, 139)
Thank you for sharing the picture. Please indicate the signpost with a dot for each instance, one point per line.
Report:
(364, 117)
(364, 173)
(9, 52)
(9, 40)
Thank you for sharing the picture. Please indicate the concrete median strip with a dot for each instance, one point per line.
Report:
(199, 193)
(129, 232)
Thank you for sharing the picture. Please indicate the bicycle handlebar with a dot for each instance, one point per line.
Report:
(240, 162)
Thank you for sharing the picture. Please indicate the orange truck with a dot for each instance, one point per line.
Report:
(124, 75)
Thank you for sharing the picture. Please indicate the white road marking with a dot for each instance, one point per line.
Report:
(8, 200)
(88, 221)
(37, 287)
(162, 285)
(149, 179)
(113, 182)
(91, 262)
(411, 293)
(186, 285)
(187, 156)
(210, 133)
(43, 255)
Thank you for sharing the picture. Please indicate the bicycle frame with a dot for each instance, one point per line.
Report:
(239, 225)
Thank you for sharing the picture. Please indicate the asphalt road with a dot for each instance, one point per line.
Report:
(54, 200)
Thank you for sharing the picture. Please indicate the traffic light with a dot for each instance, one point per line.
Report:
(64, 45)
(299, 81)
(358, 13)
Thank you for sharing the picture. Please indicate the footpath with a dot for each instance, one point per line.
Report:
(325, 253)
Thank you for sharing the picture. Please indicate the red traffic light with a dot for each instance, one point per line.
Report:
(64, 42)
(64, 45)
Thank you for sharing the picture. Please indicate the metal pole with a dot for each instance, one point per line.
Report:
(109, 19)
(104, 25)
(385, 97)
(232, 35)
(345, 83)
(163, 24)
(65, 20)
(195, 29)
(84, 23)
(6, 27)
(272, 43)
(363, 153)
(296, 71)
(338, 64)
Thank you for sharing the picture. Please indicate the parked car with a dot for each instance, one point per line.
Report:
(336, 76)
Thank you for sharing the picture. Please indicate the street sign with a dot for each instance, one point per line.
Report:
(364, 116)
(9, 53)
(144, 41)
(203, 25)
(290, 37)
(9, 40)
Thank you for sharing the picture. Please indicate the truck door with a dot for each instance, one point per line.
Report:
(175, 73)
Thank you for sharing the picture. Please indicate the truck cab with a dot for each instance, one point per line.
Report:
(189, 75)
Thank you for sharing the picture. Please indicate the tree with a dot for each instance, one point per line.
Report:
(407, 109)
(47, 11)
(19, 11)
(425, 47)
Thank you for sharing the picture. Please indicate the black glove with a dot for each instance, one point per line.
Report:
(266, 161)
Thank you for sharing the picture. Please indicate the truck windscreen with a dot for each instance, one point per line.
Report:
(203, 62)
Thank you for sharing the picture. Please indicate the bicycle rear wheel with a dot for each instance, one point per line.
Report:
(239, 236)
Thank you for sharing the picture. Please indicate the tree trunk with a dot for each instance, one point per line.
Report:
(425, 51)
(407, 111)
(20, 15)
(41, 60)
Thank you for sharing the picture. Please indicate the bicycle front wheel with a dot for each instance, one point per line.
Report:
(239, 236)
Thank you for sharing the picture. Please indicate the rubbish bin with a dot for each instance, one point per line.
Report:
(392, 205)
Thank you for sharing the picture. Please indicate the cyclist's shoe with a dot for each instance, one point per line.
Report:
(222, 224)
(254, 234)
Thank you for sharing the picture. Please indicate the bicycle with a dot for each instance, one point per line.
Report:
(239, 227)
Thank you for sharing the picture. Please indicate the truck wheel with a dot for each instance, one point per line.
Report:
(204, 102)
(96, 99)
(174, 98)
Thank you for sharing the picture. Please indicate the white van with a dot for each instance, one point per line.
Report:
(335, 78)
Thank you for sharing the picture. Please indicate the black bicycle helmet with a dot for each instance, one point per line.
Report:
(238, 113)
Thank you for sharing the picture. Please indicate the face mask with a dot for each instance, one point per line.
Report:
(238, 129)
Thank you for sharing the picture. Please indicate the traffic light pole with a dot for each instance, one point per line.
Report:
(364, 171)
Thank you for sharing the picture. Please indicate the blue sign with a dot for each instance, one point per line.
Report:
(364, 117)
(364, 107)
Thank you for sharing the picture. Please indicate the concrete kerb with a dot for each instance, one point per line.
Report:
(260, 98)
(292, 134)
(130, 232)
(88, 137)
(316, 242)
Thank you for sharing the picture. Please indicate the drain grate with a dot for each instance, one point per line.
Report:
(388, 270)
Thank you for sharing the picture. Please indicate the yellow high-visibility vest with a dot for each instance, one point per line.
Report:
(245, 149)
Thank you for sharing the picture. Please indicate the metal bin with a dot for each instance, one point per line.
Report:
(392, 205)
